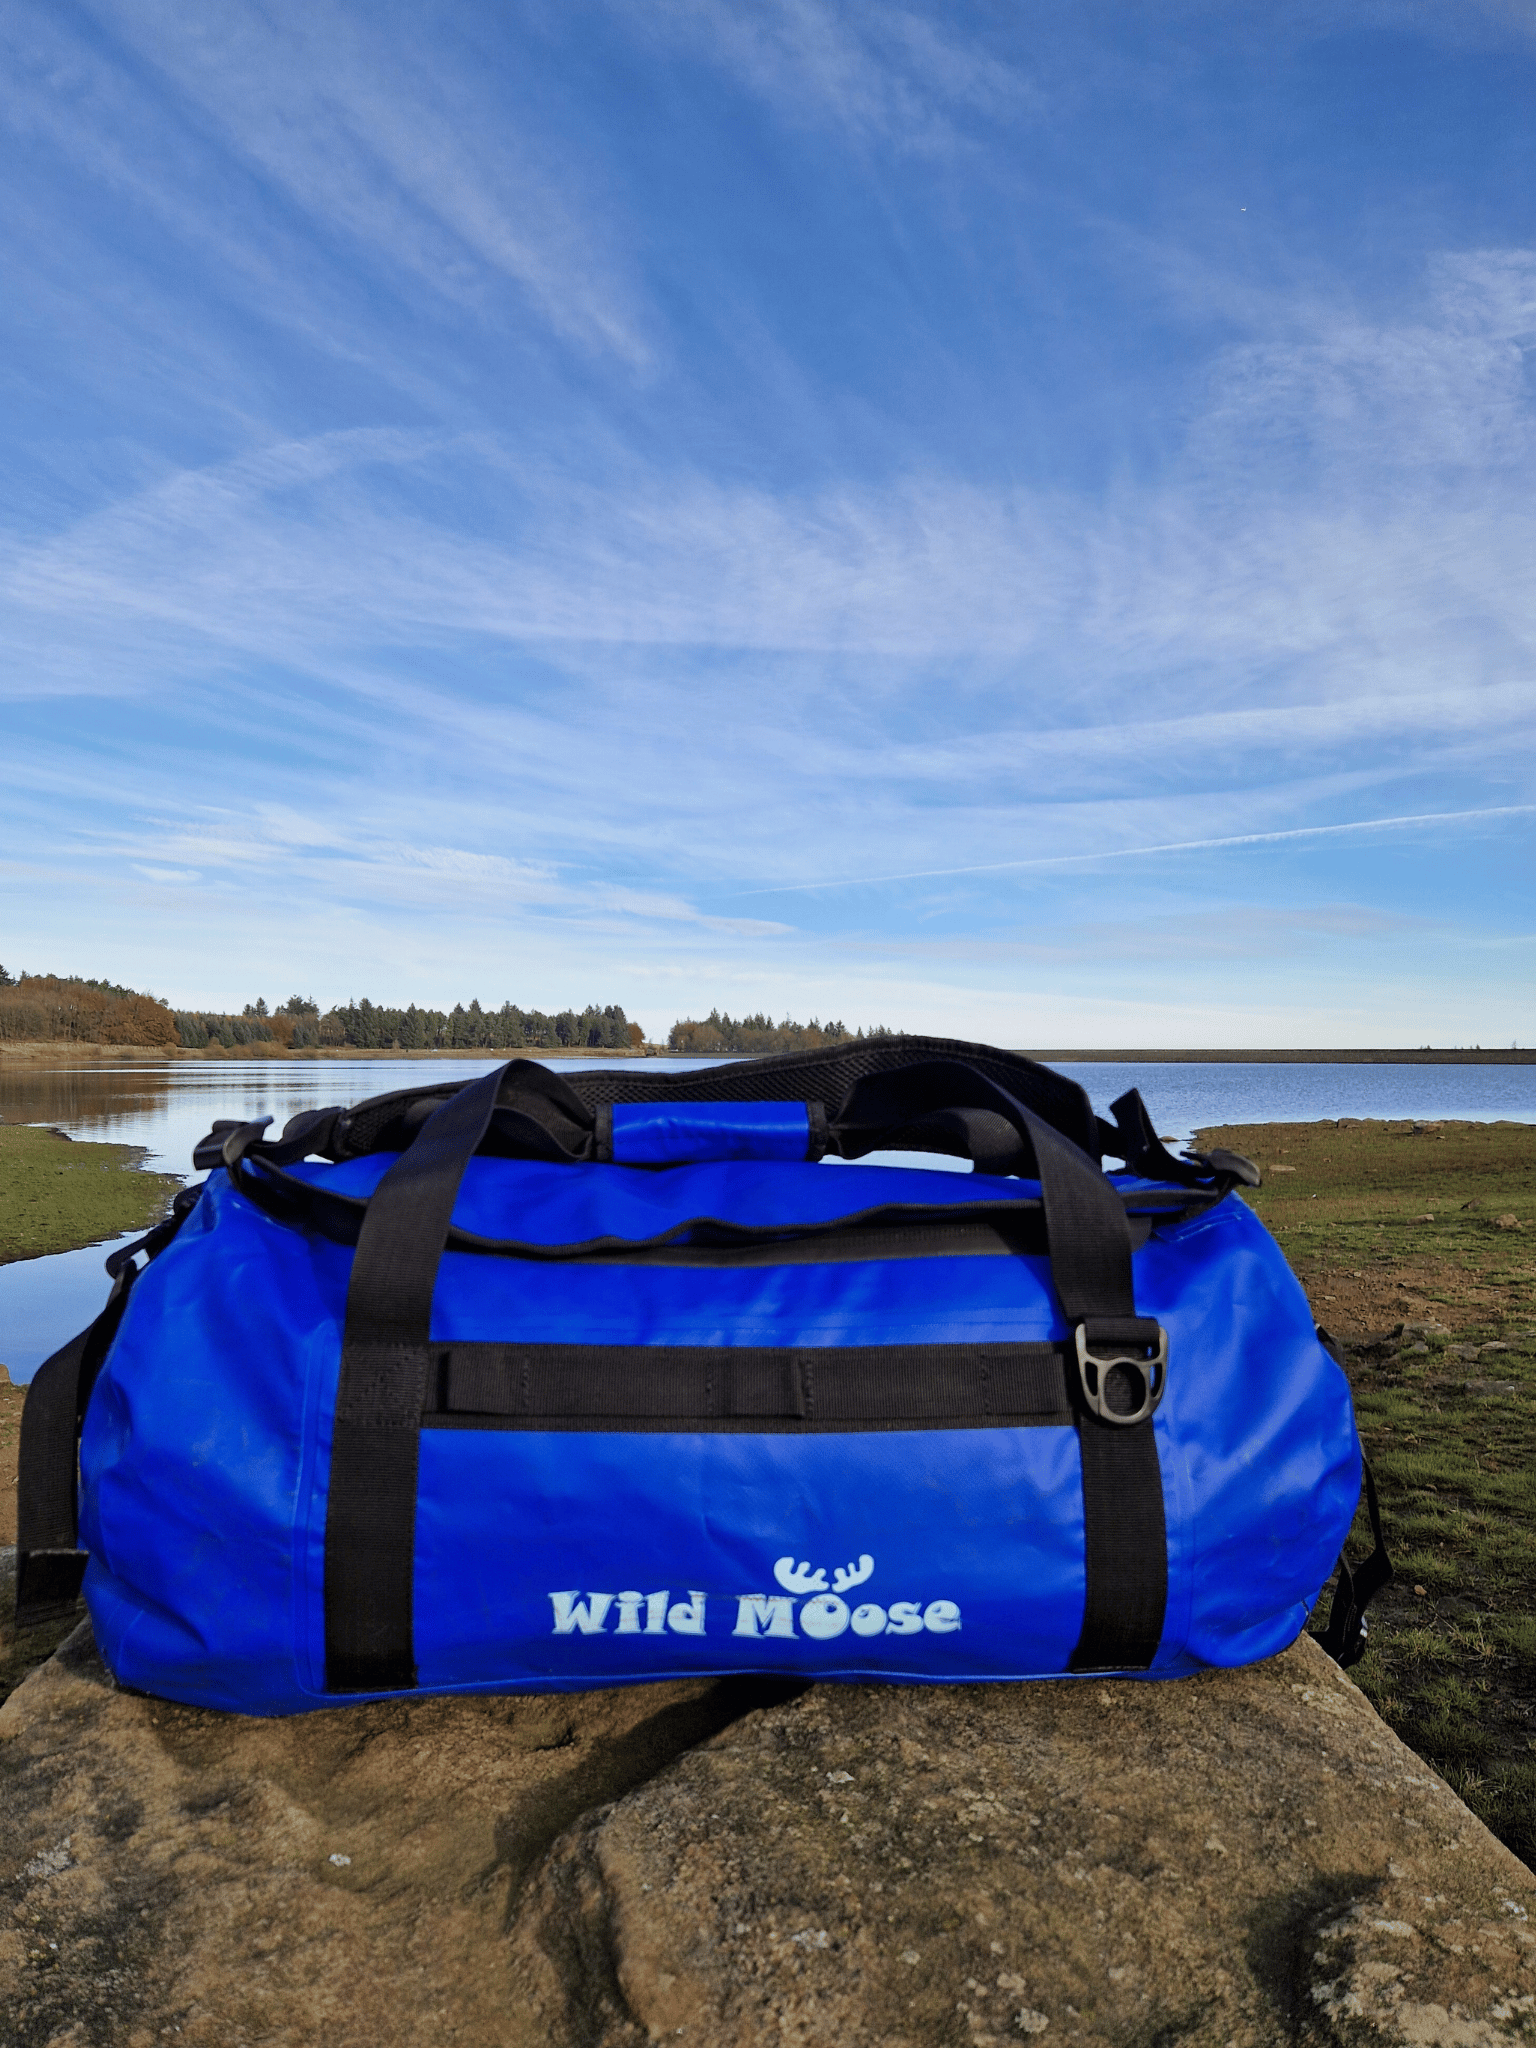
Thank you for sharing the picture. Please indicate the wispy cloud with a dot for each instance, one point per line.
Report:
(886, 74)
(1089, 854)
(517, 529)
(391, 147)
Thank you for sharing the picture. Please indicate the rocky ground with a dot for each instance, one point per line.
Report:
(1250, 1857)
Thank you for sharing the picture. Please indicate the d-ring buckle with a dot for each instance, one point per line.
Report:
(1110, 1370)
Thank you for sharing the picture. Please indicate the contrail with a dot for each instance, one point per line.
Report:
(1065, 860)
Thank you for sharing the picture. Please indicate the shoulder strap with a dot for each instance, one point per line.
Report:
(49, 1562)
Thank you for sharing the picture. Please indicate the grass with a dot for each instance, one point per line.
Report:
(56, 1196)
(1396, 1235)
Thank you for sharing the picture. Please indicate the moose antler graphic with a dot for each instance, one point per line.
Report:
(799, 1579)
(848, 1575)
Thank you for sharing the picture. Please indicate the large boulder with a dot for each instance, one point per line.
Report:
(1249, 1857)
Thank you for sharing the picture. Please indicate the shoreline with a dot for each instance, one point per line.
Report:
(68, 1053)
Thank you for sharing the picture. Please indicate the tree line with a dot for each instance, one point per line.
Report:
(49, 1007)
(759, 1034)
(376, 1027)
(43, 1007)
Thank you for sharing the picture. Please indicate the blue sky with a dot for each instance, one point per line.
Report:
(1002, 519)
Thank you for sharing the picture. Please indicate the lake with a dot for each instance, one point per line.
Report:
(166, 1109)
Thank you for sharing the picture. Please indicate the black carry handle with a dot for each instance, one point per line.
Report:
(385, 1364)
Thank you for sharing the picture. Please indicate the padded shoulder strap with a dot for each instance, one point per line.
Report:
(543, 1113)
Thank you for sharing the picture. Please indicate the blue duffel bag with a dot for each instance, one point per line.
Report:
(549, 1382)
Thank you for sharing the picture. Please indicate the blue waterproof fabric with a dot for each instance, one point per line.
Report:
(681, 1133)
(561, 1559)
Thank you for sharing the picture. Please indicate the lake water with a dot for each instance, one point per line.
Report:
(166, 1109)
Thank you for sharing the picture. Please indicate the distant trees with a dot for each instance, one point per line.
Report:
(48, 1006)
(51, 1006)
(376, 1027)
(249, 1029)
(759, 1034)
(474, 1029)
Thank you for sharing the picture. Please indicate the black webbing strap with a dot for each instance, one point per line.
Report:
(759, 1387)
(1344, 1637)
(49, 1563)
(1125, 1531)
(370, 1530)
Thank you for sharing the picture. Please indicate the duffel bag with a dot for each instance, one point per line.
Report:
(548, 1382)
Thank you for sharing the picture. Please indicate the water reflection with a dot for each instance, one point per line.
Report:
(85, 1099)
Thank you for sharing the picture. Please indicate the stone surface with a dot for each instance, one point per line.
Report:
(341, 1878)
(1249, 1857)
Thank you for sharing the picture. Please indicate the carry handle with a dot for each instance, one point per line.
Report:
(690, 1133)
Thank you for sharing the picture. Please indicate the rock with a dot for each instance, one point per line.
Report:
(1508, 1221)
(1248, 1856)
(1489, 1388)
(340, 1878)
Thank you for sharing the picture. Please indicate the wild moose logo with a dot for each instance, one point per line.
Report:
(822, 1615)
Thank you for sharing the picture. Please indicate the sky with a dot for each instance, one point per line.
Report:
(998, 519)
